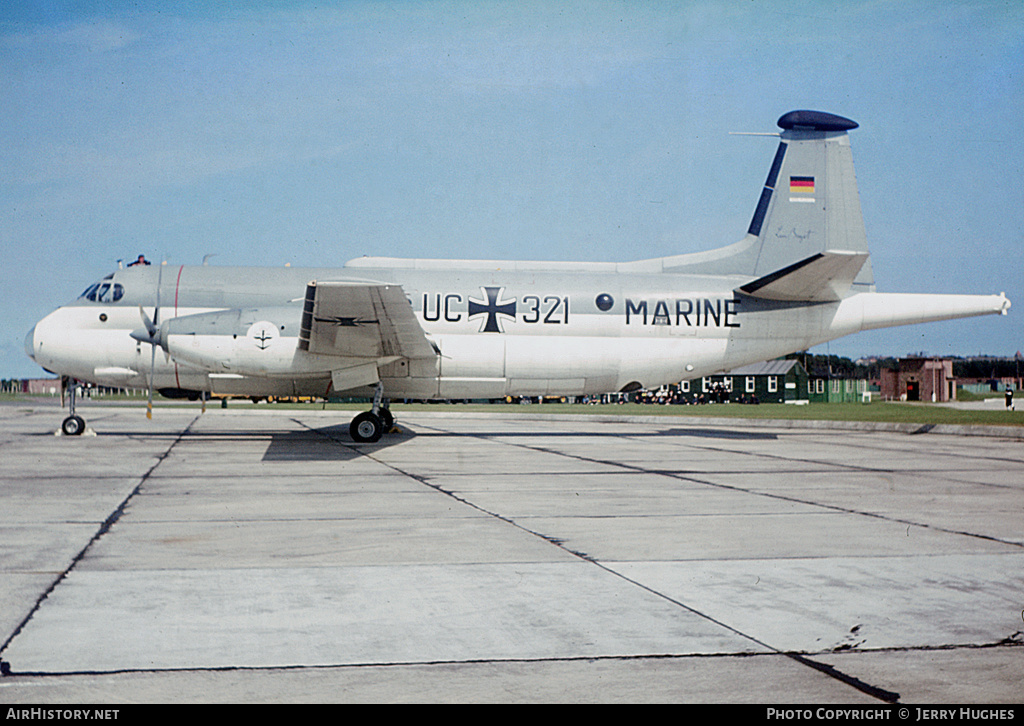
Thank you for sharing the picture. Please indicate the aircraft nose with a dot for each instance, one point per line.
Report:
(30, 343)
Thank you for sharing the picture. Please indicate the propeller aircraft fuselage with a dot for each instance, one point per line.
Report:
(440, 329)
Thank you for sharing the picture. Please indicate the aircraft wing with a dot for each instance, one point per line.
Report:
(361, 320)
(823, 277)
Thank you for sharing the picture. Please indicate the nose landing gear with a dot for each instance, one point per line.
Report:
(73, 425)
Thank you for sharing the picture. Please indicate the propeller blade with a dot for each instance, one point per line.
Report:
(152, 370)
(155, 339)
(150, 325)
(149, 333)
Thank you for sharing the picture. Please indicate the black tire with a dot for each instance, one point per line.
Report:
(387, 419)
(73, 426)
(366, 428)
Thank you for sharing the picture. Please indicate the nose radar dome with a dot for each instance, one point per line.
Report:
(30, 343)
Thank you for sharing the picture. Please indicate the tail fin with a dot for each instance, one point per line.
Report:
(809, 204)
(809, 208)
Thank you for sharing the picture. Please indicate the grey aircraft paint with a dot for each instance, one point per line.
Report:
(407, 328)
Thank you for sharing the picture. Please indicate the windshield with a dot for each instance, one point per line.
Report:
(104, 291)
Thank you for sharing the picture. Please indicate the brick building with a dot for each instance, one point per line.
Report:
(920, 379)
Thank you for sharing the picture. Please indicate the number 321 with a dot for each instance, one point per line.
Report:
(555, 310)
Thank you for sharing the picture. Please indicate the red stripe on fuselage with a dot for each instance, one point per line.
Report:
(177, 286)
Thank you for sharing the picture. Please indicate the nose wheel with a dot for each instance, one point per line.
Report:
(73, 425)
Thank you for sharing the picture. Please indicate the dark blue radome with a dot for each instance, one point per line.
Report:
(816, 121)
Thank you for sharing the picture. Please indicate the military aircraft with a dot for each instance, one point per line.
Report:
(436, 329)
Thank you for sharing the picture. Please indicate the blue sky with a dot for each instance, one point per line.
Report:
(313, 132)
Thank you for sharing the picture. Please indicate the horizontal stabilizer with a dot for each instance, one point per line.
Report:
(824, 277)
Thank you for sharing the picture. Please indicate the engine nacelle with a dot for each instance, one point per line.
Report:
(252, 342)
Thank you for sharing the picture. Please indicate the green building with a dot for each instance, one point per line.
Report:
(774, 381)
(830, 389)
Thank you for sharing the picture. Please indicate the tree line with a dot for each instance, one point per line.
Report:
(834, 366)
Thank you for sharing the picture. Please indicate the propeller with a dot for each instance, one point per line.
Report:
(153, 336)
(152, 333)
(152, 371)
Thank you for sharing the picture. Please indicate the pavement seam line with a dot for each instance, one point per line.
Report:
(780, 497)
(866, 688)
(540, 659)
(104, 527)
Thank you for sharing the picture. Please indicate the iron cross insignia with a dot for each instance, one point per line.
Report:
(492, 307)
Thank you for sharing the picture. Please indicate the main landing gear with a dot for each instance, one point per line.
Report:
(369, 426)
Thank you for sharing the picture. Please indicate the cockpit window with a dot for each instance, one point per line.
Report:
(104, 292)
